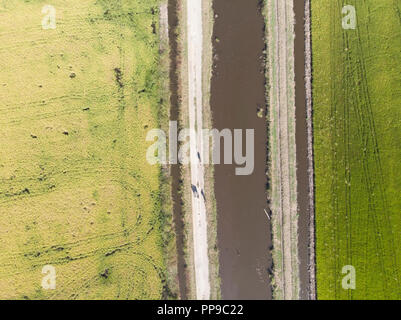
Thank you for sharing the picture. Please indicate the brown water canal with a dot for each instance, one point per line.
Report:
(238, 90)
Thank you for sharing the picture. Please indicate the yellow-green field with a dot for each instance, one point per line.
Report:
(357, 123)
(76, 191)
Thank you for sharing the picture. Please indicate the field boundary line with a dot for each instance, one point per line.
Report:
(311, 172)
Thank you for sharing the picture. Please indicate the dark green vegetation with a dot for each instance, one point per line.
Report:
(357, 123)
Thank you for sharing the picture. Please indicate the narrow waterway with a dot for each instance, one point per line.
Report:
(175, 169)
(302, 149)
(237, 92)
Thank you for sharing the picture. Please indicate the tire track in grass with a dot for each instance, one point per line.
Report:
(334, 185)
(370, 186)
(376, 155)
(368, 224)
(371, 207)
(67, 215)
(345, 143)
(348, 64)
(346, 161)
(344, 133)
(361, 132)
(347, 174)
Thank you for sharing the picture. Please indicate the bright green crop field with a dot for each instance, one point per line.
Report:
(357, 130)
(76, 191)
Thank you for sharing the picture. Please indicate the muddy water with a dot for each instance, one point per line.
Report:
(238, 89)
(175, 169)
(302, 151)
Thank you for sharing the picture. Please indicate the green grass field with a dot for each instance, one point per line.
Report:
(76, 191)
(357, 123)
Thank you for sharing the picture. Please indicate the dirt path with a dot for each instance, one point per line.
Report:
(195, 100)
(283, 148)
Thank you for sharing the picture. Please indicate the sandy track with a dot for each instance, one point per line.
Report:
(195, 100)
(283, 151)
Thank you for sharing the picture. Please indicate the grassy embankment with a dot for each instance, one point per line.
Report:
(282, 152)
(357, 123)
(76, 191)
